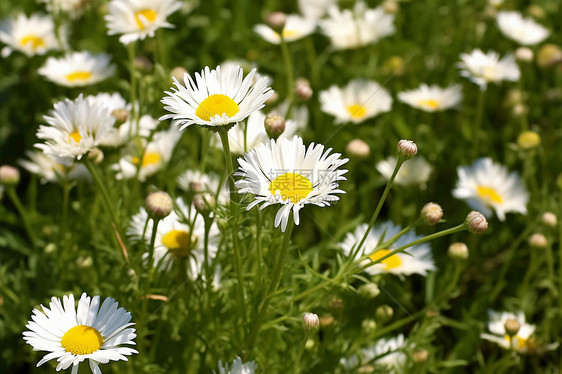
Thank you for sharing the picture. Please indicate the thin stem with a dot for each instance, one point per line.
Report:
(478, 121)
(133, 97)
(301, 350)
(23, 214)
(66, 187)
(288, 62)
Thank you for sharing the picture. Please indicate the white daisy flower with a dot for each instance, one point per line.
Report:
(296, 27)
(137, 19)
(524, 31)
(32, 36)
(392, 351)
(432, 98)
(415, 171)
(195, 181)
(78, 69)
(238, 367)
(314, 9)
(418, 260)
(286, 172)
(483, 68)
(74, 8)
(358, 27)
(53, 169)
(358, 101)
(216, 98)
(177, 238)
(91, 332)
(156, 156)
(487, 186)
(496, 325)
(75, 127)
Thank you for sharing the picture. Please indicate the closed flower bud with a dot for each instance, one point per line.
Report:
(431, 213)
(96, 155)
(538, 241)
(512, 326)
(272, 99)
(369, 291)
(458, 250)
(178, 72)
(121, 116)
(335, 303)
(549, 219)
(204, 202)
(528, 140)
(407, 149)
(274, 126)
(420, 355)
(368, 325)
(303, 89)
(9, 176)
(84, 262)
(159, 204)
(358, 148)
(390, 7)
(311, 321)
(384, 313)
(524, 54)
(276, 20)
(326, 320)
(549, 55)
(476, 222)
(143, 63)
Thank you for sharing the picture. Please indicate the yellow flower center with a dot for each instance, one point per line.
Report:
(488, 194)
(216, 104)
(489, 73)
(148, 14)
(357, 111)
(82, 340)
(149, 158)
(518, 342)
(392, 262)
(177, 239)
(292, 186)
(288, 33)
(36, 41)
(80, 75)
(528, 139)
(76, 136)
(432, 103)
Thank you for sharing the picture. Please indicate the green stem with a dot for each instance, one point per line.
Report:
(23, 214)
(478, 122)
(300, 352)
(133, 96)
(66, 187)
(288, 62)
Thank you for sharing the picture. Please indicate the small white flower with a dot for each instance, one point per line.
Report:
(524, 31)
(296, 27)
(32, 36)
(75, 127)
(238, 367)
(358, 27)
(432, 98)
(286, 172)
(216, 97)
(314, 9)
(390, 351)
(74, 8)
(138, 19)
(487, 186)
(358, 101)
(78, 69)
(417, 260)
(196, 182)
(486, 68)
(415, 171)
(496, 325)
(52, 169)
(90, 332)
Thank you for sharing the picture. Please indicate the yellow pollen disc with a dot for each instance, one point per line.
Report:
(35, 41)
(149, 158)
(356, 111)
(216, 104)
(76, 136)
(176, 239)
(432, 103)
(292, 186)
(519, 342)
(288, 33)
(392, 262)
(82, 340)
(80, 75)
(489, 73)
(148, 14)
(488, 194)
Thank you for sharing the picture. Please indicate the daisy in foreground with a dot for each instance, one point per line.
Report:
(238, 367)
(217, 98)
(296, 27)
(483, 68)
(487, 186)
(523, 30)
(32, 36)
(137, 19)
(73, 335)
(288, 173)
(418, 260)
(78, 69)
(432, 98)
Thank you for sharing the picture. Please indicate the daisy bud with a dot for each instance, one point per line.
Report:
(394, 65)
(311, 321)
(432, 313)
(335, 303)
(432, 213)
(369, 291)
(143, 63)
(96, 155)
(358, 148)
(536, 11)
(390, 7)
(178, 72)
(303, 89)
(528, 140)
(159, 205)
(519, 110)
(549, 55)
(84, 262)
(121, 116)
(524, 54)
(384, 313)
(274, 126)
(9, 176)
(407, 148)
(538, 241)
(50, 248)
(326, 321)
(476, 222)
(368, 325)
(512, 326)
(420, 355)
(196, 186)
(204, 202)
(276, 20)
(458, 250)
(272, 99)
(549, 219)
